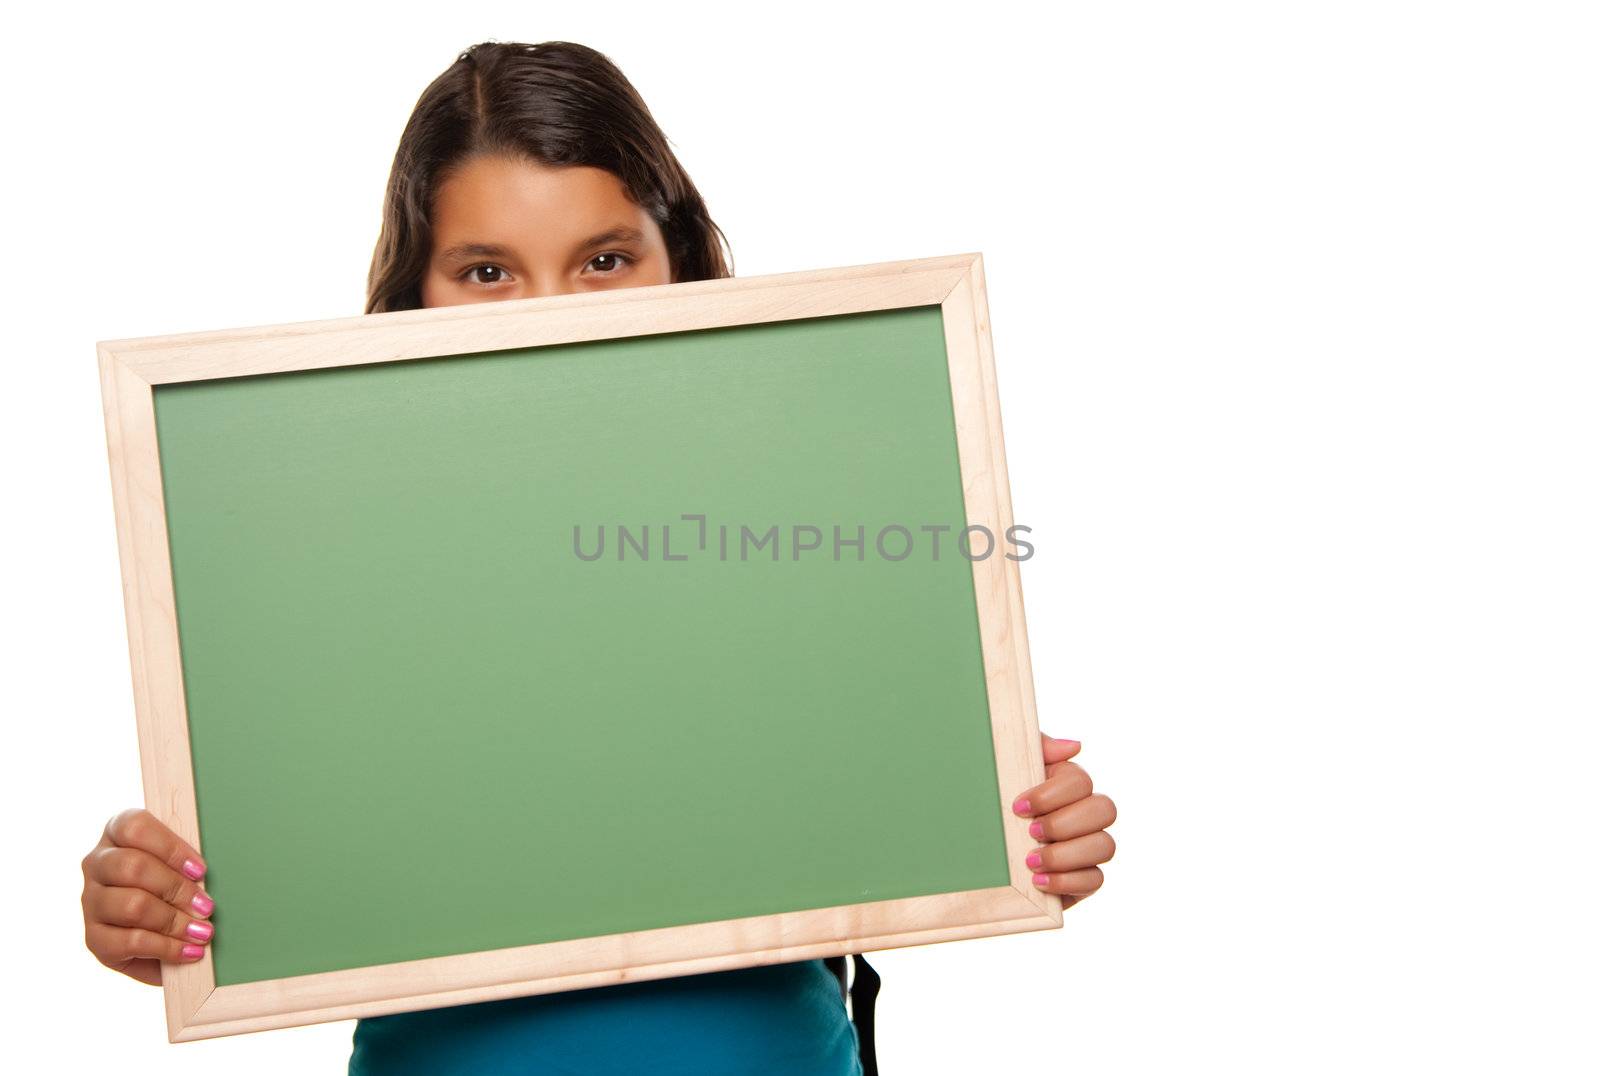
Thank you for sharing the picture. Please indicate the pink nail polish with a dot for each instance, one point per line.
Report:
(193, 870)
(1021, 807)
(1041, 879)
(1036, 830)
(193, 952)
(199, 931)
(202, 904)
(1035, 860)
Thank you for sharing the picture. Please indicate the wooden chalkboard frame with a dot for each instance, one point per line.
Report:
(130, 369)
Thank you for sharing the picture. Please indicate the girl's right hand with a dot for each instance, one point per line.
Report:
(142, 901)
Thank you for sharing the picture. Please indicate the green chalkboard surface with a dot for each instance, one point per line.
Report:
(427, 718)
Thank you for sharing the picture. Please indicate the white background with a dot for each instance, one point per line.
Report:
(1295, 312)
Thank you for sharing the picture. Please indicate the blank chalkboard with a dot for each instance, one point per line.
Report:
(482, 651)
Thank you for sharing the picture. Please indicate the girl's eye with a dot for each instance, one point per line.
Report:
(486, 274)
(614, 260)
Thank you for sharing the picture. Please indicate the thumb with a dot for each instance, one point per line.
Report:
(1058, 750)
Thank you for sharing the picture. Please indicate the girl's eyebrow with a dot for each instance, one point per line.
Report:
(619, 234)
(475, 250)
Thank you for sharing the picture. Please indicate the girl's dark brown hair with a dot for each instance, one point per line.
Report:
(557, 103)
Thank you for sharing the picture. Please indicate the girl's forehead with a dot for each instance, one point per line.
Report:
(522, 201)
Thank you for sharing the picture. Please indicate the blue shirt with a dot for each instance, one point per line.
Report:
(776, 1019)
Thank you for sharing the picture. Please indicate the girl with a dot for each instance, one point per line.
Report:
(531, 170)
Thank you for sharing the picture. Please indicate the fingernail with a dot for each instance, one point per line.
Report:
(1035, 860)
(199, 931)
(202, 903)
(193, 952)
(1036, 830)
(193, 870)
(1041, 880)
(1069, 743)
(1021, 807)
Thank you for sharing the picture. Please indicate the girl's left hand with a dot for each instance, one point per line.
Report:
(1070, 819)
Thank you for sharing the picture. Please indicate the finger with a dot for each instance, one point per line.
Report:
(138, 828)
(136, 908)
(1058, 750)
(1075, 854)
(131, 868)
(1078, 819)
(117, 947)
(1078, 884)
(1069, 784)
(1055, 768)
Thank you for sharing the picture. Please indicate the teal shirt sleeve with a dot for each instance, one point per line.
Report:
(776, 1019)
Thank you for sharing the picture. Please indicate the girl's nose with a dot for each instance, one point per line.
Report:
(538, 287)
